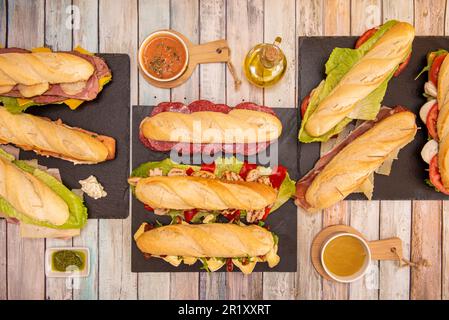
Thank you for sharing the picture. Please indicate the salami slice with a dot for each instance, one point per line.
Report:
(170, 107)
(255, 107)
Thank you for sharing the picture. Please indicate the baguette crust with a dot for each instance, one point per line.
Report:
(30, 196)
(207, 240)
(237, 126)
(186, 193)
(366, 76)
(52, 138)
(443, 122)
(31, 69)
(353, 165)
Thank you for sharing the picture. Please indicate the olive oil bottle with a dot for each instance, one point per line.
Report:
(265, 64)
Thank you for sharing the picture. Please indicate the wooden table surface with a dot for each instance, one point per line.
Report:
(119, 26)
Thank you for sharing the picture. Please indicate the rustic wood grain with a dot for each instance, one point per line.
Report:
(337, 17)
(153, 15)
(3, 237)
(309, 22)
(244, 27)
(26, 274)
(429, 17)
(185, 17)
(395, 216)
(281, 285)
(86, 36)
(118, 21)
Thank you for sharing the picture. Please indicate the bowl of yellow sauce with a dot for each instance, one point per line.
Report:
(345, 257)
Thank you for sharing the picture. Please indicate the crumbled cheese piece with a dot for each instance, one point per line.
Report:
(93, 188)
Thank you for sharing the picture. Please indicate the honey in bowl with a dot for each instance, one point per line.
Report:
(164, 56)
(345, 256)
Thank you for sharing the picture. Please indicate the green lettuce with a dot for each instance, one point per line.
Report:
(286, 190)
(13, 106)
(78, 212)
(430, 58)
(340, 62)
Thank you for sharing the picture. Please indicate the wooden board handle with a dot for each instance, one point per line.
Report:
(387, 249)
(210, 52)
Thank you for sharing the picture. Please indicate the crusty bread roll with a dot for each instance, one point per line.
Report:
(443, 122)
(187, 192)
(54, 138)
(37, 68)
(216, 240)
(30, 196)
(354, 164)
(237, 126)
(364, 77)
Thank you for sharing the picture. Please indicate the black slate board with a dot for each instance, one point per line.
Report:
(108, 115)
(283, 221)
(406, 181)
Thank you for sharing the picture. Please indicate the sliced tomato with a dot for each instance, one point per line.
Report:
(403, 65)
(365, 37)
(267, 212)
(431, 121)
(147, 207)
(229, 265)
(246, 168)
(435, 69)
(189, 214)
(233, 216)
(210, 167)
(305, 105)
(435, 176)
(190, 171)
(278, 176)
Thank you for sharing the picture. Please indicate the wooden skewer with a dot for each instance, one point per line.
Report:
(340, 192)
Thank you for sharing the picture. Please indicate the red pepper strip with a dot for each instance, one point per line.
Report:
(278, 176)
(229, 265)
(267, 212)
(210, 167)
(147, 207)
(189, 171)
(402, 66)
(232, 216)
(246, 168)
(189, 214)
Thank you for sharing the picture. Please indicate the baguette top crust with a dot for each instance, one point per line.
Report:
(30, 196)
(354, 164)
(364, 77)
(39, 68)
(187, 192)
(237, 126)
(52, 138)
(443, 122)
(218, 240)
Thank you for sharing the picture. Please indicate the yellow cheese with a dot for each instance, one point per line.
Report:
(214, 264)
(140, 231)
(246, 269)
(83, 51)
(173, 260)
(41, 49)
(272, 257)
(189, 260)
(22, 102)
(73, 103)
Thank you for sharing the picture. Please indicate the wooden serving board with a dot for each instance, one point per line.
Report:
(210, 52)
(380, 249)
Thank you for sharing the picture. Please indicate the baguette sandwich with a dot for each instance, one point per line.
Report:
(227, 187)
(214, 244)
(356, 81)
(204, 126)
(42, 205)
(41, 77)
(55, 139)
(435, 114)
(350, 166)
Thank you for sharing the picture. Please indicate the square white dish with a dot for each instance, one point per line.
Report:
(68, 274)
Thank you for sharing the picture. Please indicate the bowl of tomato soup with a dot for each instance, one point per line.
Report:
(163, 56)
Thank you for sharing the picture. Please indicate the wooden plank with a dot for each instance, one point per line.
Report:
(244, 27)
(58, 37)
(185, 18)
(365, 14)
(26, 279)
(3, 237)
(395, 221)
(153, 15)
(86, 35)
(426, 216)
(309, 17)
(426, 244)
(279, 20)
(395, 216)
(337, 20)
(213, 87)
(115, 278)
(365, 218)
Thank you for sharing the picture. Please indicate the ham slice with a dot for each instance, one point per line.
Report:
(190, 148)
(305, 182)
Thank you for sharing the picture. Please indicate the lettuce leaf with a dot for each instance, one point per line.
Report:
(430, 58)
(286, 190)
(340, 62)
(78, 212)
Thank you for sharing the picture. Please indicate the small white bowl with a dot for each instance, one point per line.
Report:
(144, 45)
(359, 274)
(68, 274)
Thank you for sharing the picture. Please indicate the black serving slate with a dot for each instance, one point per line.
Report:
(406, 181)
(282, 221)
(107, 115)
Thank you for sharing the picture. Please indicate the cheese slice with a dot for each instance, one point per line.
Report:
(247, 268)
(425, 109)
(429, 151)
(173, 260)
(214, 264)
(140, 231)
(272, 257)
(189, 260)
